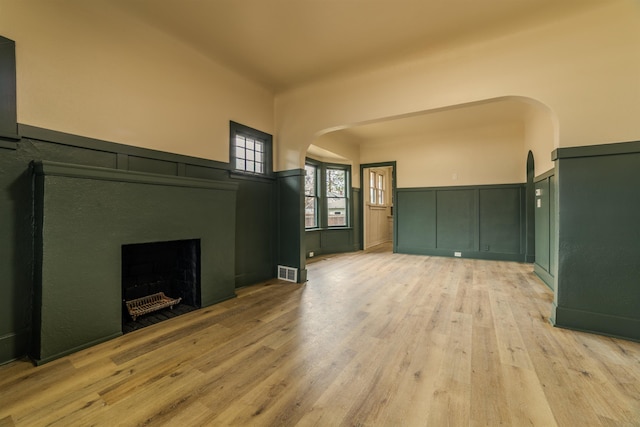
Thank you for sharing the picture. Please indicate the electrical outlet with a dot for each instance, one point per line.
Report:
(458, 254)
(311, 254)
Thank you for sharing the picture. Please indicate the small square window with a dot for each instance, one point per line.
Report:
(250, 150)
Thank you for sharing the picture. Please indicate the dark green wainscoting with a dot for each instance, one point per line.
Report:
(598, 218)
(291, 221)
(485, 222)
(84, 215)
(545, 220)
(256, 223)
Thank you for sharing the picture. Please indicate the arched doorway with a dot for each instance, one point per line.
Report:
(530, 209)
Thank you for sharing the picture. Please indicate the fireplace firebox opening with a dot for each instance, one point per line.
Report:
(160, 280)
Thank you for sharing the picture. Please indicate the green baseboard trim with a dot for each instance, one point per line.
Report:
(490, 256)
(14, 346)
(544, 276)
(597, 323)
(218, 300)
(302, 275)
(42, 360)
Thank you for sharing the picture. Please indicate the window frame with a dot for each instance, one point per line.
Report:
(347, 184)
(316, 196)
(266, 139)
(322, 210)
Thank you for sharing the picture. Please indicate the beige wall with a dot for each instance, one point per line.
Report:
(346, 149)
(585, 69)
(472, 156)
(86, 69)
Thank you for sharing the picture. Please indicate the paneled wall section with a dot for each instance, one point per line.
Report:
(484, 222)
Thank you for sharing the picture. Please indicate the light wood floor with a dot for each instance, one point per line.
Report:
(373, 339)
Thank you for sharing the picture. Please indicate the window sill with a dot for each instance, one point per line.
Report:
(328, 229)
(250, 176)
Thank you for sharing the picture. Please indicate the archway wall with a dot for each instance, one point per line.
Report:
(584, 69)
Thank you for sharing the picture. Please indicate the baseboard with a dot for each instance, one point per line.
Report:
(544, 276)
(14, 346)
(598, 323)
(491, 256)
(42, 360)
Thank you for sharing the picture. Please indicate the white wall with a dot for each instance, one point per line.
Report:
(87, 69)
(585, 69)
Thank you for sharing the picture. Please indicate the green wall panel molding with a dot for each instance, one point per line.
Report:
(415, 214)
(484, 222)
(256, 233)
(599, 241)
(43, 167)
(291, 232)
(70, 140)
(630, 147)
(456, 225)
(83, 217)
(8, 106)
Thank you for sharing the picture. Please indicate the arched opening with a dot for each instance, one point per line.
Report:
(530, 224)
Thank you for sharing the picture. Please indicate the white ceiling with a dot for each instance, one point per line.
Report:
(284, 43)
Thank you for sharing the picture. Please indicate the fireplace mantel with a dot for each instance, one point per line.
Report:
(83, 216)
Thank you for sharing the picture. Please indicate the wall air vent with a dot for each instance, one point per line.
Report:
(288, 273)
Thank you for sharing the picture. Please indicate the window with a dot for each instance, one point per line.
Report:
(311, 196)
(326, 194)
(372, 188)
(336, 194)
(250, 150)
(377, 188)
(380, 188)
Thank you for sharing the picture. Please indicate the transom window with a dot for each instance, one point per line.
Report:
(250, 150)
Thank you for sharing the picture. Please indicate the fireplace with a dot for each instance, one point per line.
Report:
(88, 218)
(168, 268)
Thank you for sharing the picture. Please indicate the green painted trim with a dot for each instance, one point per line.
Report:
(11, 342)
(42, 361)
(9, 145)
(290, 172)
(105, 174)
(394, 190)
(545, 175)
(62, 138)
(603, 324)
(543, 275)
(491, 256)
(464, 187)
(251, 177)
(630, 147)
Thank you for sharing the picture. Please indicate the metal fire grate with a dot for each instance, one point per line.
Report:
(150, 303)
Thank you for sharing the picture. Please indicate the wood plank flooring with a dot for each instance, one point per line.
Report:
(373, 339)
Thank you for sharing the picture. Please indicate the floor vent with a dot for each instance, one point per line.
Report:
(288, 273)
